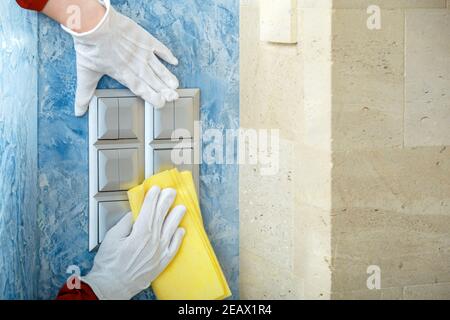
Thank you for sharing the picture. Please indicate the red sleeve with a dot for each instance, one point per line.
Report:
(84, 293)
(37, 5)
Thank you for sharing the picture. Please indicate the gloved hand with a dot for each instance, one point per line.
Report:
(132, 256)
(121, 49)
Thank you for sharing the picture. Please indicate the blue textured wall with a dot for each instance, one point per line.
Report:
(18, 152)
(204, 36)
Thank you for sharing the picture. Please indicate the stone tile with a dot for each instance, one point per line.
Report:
(271, 101)
(315, 34)
(346, 4)
(267, 99)
(367, 81)
(409, 249)
(311, 4)
(262, 278)
(436, 291)
(367, 126)
(368, 64)
(381, 294)
(427, 78)
(267, 229)
(265, 219)
(266, 222)
(314, 172)
(407, 181)
(313, 250)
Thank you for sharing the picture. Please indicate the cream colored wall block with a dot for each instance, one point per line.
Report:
(308, 4)
(313, 250)
(382, 294)
(315, 36)
(278, 21)
(435, 291)
(261, 279)
(367, 81)
(408, 248)
(386, 4)
(267, 99)
(270, 100)
(266, 234)
(427, 78)
(411, 181)
(368, 64)
(314, 169)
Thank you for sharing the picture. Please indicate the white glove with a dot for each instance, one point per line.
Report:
(132, 256)
(121, 49)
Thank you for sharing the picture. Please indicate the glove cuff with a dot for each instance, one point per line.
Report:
(109, 8)
(106, 288)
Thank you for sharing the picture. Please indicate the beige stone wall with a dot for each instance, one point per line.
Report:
(391, 129)
(284, 219)
(364, 165)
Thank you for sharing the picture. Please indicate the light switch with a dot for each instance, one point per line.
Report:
(278, 21)
(162, 159)
(184, 115)
(163, 122)
(130, 140)
(129, 118)
(109, 213)
(108, 119)
(129, 174)
(188, 153)
(108, 170)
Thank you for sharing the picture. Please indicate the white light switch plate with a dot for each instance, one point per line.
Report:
(129, 140)
(278, 21)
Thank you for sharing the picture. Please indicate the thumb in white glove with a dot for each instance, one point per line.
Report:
(132, 256)
(121, 49)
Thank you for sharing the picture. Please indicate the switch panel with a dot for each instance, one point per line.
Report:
(163, 159)
(162, 152)
(130, 140)
(177, 115)
(163, 123)
(108, 170)
(129, 113)
(108, 118)
(184, 116)
(130, 174)
(109, 213)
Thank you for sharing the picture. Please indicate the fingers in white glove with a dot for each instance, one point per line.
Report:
(172, 250)
(171, 224)
(166, 199)
(147, 55)
(142, 37)
(164, 53)
(145, 73)
(170, 227)
(141, 89)
(153, 271)
(163, 73)
(123, 228)
(147, 215)
(87, 81)
(175, 244)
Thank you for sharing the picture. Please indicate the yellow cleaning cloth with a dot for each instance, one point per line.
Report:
(195, 273)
